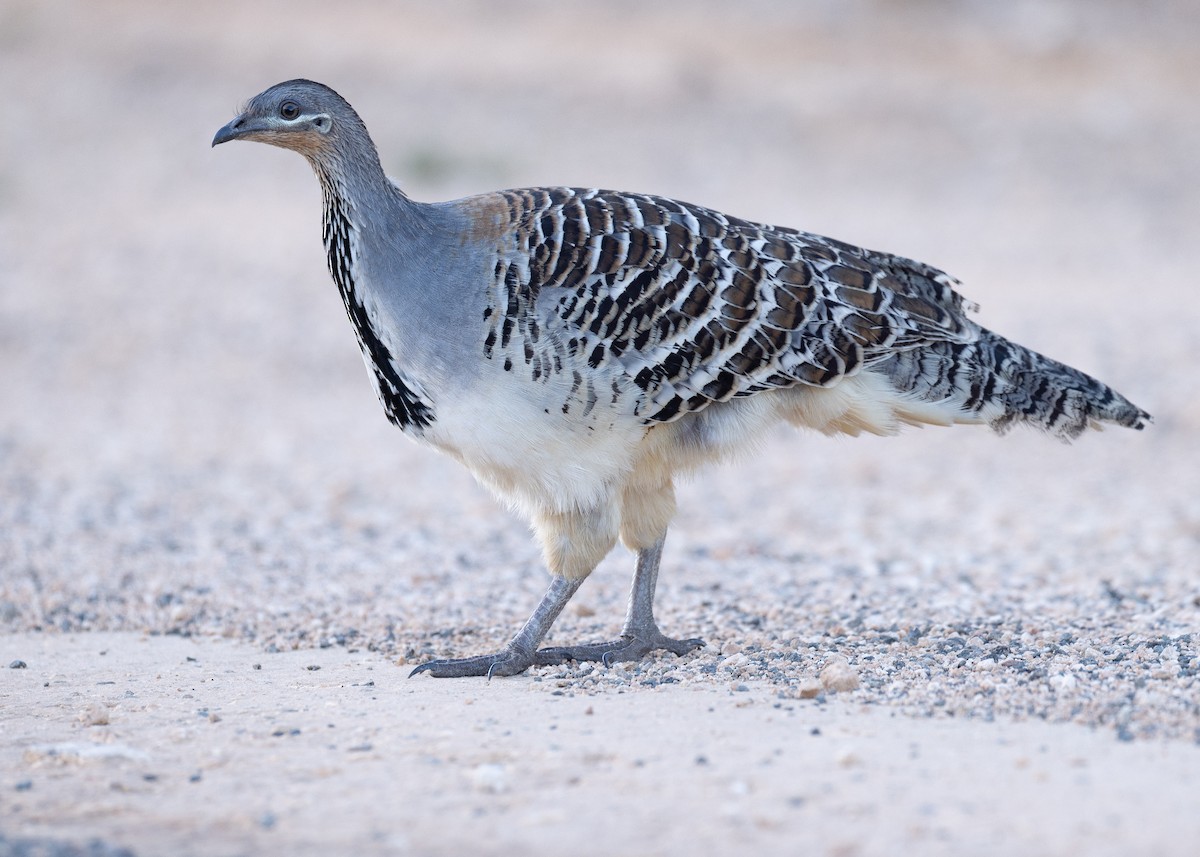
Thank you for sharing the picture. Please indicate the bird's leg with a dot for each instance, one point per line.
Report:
(640, 634)
(518, 655)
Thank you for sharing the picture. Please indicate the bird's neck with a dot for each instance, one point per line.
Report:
(360, 201)
(352, 207)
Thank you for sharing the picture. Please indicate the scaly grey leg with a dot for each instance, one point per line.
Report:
(640, 634)
(517, 656)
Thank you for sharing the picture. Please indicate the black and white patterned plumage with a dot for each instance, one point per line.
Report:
(698, 307)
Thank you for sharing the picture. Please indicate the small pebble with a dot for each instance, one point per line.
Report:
(18, 665)
(809, 688)
(24, 785)
(838, 676)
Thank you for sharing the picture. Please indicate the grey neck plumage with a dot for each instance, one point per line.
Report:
(403, 406)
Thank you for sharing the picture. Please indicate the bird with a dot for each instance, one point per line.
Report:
(579, 350)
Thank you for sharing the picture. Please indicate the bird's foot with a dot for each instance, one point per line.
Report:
(630, 647)
(508, 661)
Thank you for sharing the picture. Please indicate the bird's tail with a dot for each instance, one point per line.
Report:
(995, 381)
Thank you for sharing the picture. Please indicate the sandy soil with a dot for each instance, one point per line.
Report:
(207, 747)
(945, 642)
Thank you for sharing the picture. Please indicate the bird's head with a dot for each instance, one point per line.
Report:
(301, 115)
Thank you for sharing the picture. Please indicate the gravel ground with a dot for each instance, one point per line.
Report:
(189, 446)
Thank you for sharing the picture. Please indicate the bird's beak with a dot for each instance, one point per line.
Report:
(239, 127)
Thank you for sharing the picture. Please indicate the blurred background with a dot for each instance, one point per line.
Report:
(189, 443)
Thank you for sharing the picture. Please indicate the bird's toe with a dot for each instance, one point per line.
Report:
(506, 662)
(631, 647)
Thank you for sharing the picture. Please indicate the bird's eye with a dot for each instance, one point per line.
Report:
(289, 110)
